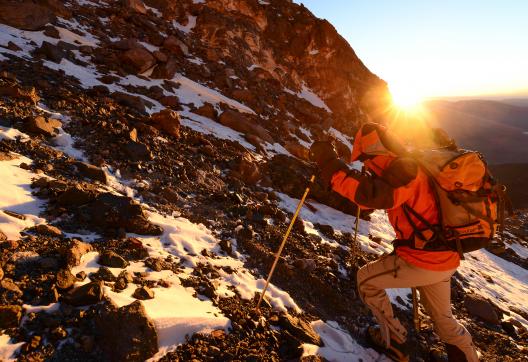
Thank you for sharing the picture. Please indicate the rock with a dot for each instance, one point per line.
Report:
(1, 273)
(112, 260)
(48, 263)
(15, 91)
(170, 102)
(86, 294)
(81, 275)
(126, 333)
(175, 46)
(91, 171)
(52, 32)
(42, 126)
(247, 170)
(3, 236)
(138, 151)
(122, 280)
(75, 196)
(65, 279)
(171, 195)
(25, 15)
(300, 329)
(297, 150)
(49, 230)
(239, 122)
(112, 212)
(208, 111)
(143, 293)
(104, 274)
(481, 308)
(137, 60)
(166, 70)
(135, 5)
(160, 56)
(10, 316)
(134, 102)
(14, 214)
(51, 52)
(167, 121)
(9, 290)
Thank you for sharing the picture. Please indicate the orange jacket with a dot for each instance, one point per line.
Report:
(392, 182)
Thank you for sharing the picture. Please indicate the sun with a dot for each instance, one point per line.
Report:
(406, 99)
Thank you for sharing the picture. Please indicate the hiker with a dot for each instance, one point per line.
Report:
(393, 182)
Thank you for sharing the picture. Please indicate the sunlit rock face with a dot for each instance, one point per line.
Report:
(264, 53)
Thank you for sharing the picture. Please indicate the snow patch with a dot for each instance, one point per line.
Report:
(191, 23)
(8, 349)
(509, 286)
(15, 195)
(307, 94)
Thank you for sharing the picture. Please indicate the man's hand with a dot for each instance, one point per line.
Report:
(322, 152)
(325, 156)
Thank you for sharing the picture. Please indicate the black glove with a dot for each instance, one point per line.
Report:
(325, 156)
(322, 152)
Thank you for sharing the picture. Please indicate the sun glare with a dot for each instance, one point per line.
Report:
(406, 99)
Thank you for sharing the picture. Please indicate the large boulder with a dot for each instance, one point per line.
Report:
(42, 126)
(246, 169)
(167, 121)
(25, 15)
(239, 122)
(110, 211)
(86, 294)
(482, 308)
(18, 92)
(91, 171)
(126, 333)
(129, 100)
(137, 60)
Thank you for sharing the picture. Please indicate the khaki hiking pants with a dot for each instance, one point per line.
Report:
(435, 294)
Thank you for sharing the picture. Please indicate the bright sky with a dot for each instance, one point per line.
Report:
(437, 48)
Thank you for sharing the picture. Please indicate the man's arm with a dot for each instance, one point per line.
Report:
(395, 187)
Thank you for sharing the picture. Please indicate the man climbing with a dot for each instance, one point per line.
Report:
(393, 183)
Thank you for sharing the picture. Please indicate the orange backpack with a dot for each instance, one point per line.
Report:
(470, 202)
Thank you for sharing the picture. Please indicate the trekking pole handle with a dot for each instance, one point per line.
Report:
(283, 243)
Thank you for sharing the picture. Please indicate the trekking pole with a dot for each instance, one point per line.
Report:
(357, 223)
(358, 213)
(277, 255)
(416, 315)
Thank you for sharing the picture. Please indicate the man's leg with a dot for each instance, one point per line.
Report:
(391, 272)
(436, 299)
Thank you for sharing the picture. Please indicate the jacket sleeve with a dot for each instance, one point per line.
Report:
(397, 184)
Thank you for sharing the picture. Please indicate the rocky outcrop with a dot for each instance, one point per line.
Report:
(25, 15)
(126, 333)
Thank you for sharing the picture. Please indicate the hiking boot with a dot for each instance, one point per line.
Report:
(397, 351)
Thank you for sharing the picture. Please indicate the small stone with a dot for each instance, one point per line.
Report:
(111, 259)
(143, 293)
(103, 273)
(81, 275)
(91, 172)
(87, 294)
(76, 250)
(15, 214)
(49, 230)
(65, 279)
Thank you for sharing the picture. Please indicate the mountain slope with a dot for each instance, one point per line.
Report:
(152, 156)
